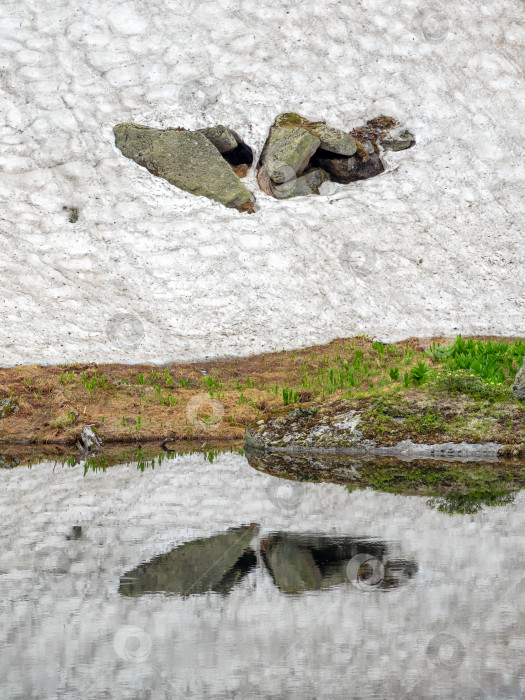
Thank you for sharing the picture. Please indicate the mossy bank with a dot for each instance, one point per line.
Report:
(416, 389)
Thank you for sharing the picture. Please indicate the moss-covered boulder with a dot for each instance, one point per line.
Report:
(296, 147)
(332, 139)
(186, 159)
(290, 119)
(287, 152)
(519, 383)
(415, 424)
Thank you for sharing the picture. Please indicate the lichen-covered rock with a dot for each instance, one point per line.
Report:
(519, 383)
(224, 139)
(186, 159)
(367, 427)
(7, 407)
(334, 140)
(287, 152)
(291, 119)
(7, 462)
(399, 141)
(326, 427)
(290, 153)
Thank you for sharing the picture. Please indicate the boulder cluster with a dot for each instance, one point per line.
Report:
(298, 156)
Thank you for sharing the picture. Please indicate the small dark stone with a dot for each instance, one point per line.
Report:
(399, 141)
(76, 533)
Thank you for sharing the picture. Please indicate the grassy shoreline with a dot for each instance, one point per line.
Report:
(215, 401)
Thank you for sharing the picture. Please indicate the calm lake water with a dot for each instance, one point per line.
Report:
(215, 580)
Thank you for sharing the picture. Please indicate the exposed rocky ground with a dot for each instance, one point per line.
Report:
(411, 424)
(299, 155)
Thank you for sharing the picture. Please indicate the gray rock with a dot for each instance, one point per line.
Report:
(334, 140)
(7, 462)
(7, 407)
(186, 159)
(224, 139)
(89, 441)
(519, 383)
(398, 141)
(303, 186)
(287, 152)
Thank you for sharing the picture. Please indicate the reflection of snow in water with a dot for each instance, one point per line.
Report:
(256, 637)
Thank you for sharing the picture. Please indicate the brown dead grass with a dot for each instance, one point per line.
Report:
(127, 412)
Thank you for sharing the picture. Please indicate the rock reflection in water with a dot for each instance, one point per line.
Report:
(300, 562)
(451, 486)
(296, 563)
(215, 563)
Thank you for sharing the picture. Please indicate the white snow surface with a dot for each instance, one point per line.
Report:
(433, 246)
(62, 631)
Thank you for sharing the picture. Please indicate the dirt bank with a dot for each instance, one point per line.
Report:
(217, 400)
